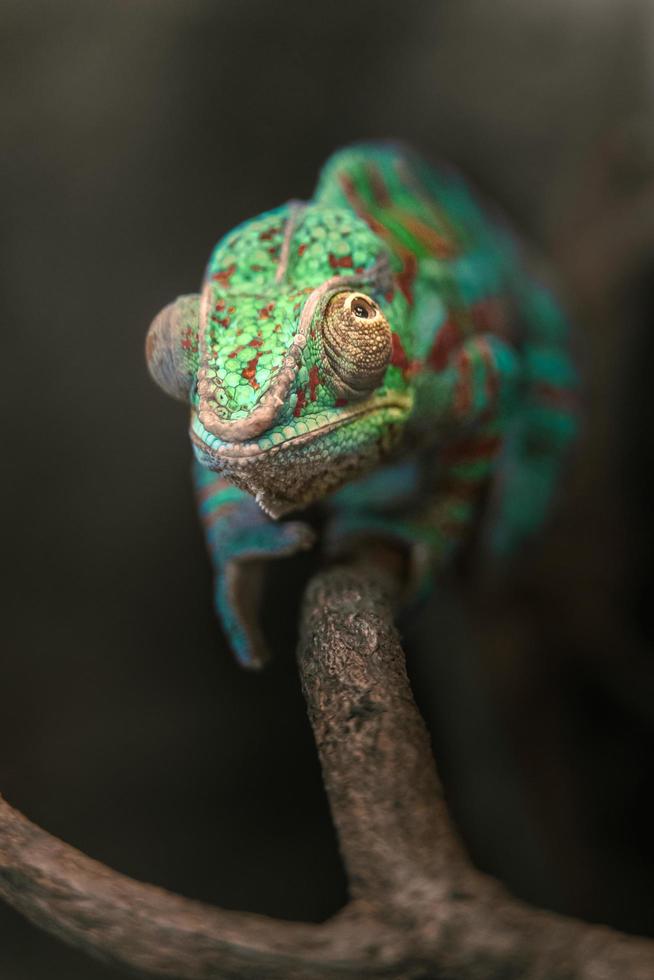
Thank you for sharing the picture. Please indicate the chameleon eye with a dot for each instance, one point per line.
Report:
(363, 308)
(356, 343)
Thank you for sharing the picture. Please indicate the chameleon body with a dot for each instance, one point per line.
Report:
(384, 350)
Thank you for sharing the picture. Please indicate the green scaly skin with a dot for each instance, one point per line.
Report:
(384, 350)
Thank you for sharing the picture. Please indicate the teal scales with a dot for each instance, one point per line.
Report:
(385, 352)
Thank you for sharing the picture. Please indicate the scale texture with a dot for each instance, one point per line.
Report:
(384, 361)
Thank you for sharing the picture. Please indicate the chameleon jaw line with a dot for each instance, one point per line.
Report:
(242, 450)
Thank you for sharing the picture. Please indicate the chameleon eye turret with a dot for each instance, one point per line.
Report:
(356, 343)
(171, 346)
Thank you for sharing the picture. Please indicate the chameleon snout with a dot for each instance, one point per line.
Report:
(260, 418)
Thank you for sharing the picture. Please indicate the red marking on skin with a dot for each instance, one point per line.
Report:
(236, 351)
(189, 341)
(400, 359)
(489, 315)
(314, 381)
(432, 240)
(220, 305)
(273, 250)
(437, 244)
(224, 321)
(231, 309)
(359, 270)
(348, 185)
(377, 185)
(218, 514)
(266, 311)
(407, 276)
(224, 275)
(267, 236)
(463, 390)
(301, 249)
(447, 339)
(277, 328)
(388, 295)
(210, 489)
(256, 268)
(300, 402)
(376, 226)
(249, 372)
(471, 451)
(398, 354)
(340, 262)
(255, 342)
(340, 402)
(352, 195)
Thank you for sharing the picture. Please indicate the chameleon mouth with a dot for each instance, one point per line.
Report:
(307, 430)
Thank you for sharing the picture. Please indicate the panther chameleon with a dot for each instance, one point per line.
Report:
(387, 352)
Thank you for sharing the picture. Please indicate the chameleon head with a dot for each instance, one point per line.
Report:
(288, 357)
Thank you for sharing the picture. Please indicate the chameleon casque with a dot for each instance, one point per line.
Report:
(384, 350)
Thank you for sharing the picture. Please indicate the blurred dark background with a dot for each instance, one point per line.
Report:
(133, 136)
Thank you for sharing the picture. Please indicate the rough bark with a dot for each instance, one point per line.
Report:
(418, 909)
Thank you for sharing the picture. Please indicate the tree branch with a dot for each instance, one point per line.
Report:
(419, 909)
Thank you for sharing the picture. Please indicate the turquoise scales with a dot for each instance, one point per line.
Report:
(385, 351)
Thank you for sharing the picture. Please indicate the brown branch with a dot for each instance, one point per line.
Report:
(406, 865)
(418, 909)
